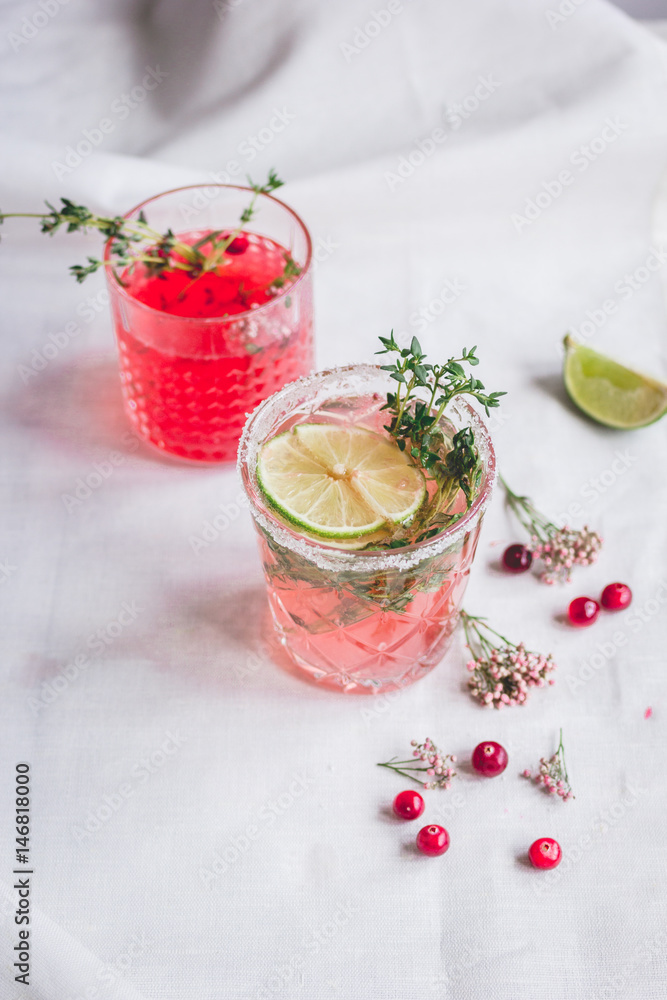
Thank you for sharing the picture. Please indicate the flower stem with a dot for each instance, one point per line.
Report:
(405, 773)
(476, 624)
(561, 756)
(530, 518)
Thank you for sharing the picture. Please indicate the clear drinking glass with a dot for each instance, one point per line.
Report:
(189, 381)
(363, 621)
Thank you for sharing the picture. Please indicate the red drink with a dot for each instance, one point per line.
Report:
(251, 265)
(197, 354)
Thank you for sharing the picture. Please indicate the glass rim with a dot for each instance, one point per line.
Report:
(330, 557)
(236, 317)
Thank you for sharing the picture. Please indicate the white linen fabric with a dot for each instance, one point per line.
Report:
(204, 824)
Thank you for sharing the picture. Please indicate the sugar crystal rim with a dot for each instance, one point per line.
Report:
(258, 428)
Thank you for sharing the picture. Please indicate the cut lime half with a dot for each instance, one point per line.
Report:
(339, 482)
(610, 393)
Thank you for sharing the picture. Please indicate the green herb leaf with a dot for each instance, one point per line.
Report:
(453, 464)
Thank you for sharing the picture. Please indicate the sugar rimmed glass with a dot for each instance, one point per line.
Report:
(360, 621)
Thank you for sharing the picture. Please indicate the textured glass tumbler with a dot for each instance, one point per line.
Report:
(189, 382)
(362, 621)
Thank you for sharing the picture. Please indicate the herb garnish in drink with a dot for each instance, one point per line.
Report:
(134, 243)
(209, 320)
(345, 470)
(416, 424)
(356, 487)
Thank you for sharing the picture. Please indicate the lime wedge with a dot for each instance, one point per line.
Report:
(610, 393)
(339, 482)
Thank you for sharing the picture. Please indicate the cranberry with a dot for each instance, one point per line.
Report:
(239, 245)
(545, 853)
(517, 558)
(489, 759)
(408, 805)
(616, 596)
(583, 611)
(433, 840)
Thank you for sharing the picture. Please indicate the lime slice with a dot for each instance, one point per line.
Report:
(339, 482)
(610, 393)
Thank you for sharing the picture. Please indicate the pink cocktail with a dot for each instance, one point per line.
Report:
(197, 355)
(364, 620)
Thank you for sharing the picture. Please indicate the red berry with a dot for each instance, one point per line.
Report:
(433, 840)
(489, 759)
(239, 245)
(517, 558)
(408, 805)
(616, 596)
(545, 853)
(583, 611)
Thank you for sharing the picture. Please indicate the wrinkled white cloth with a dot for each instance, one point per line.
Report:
(205, 825)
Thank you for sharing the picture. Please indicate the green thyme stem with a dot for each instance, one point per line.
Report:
(123, 233)
(415, 424)
(405, 774)
(531, 519)
(272, 183)
(92, 222)
(476, 624)
(561, 756)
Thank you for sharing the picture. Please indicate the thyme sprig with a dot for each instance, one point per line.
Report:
(422, 395)
(134, 242)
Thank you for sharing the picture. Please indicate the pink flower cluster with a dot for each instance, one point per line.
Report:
(438, 768)
(564, 548)
(505, 675)
(552, 777)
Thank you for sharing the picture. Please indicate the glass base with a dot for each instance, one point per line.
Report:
(368, 679)
(181, 455)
